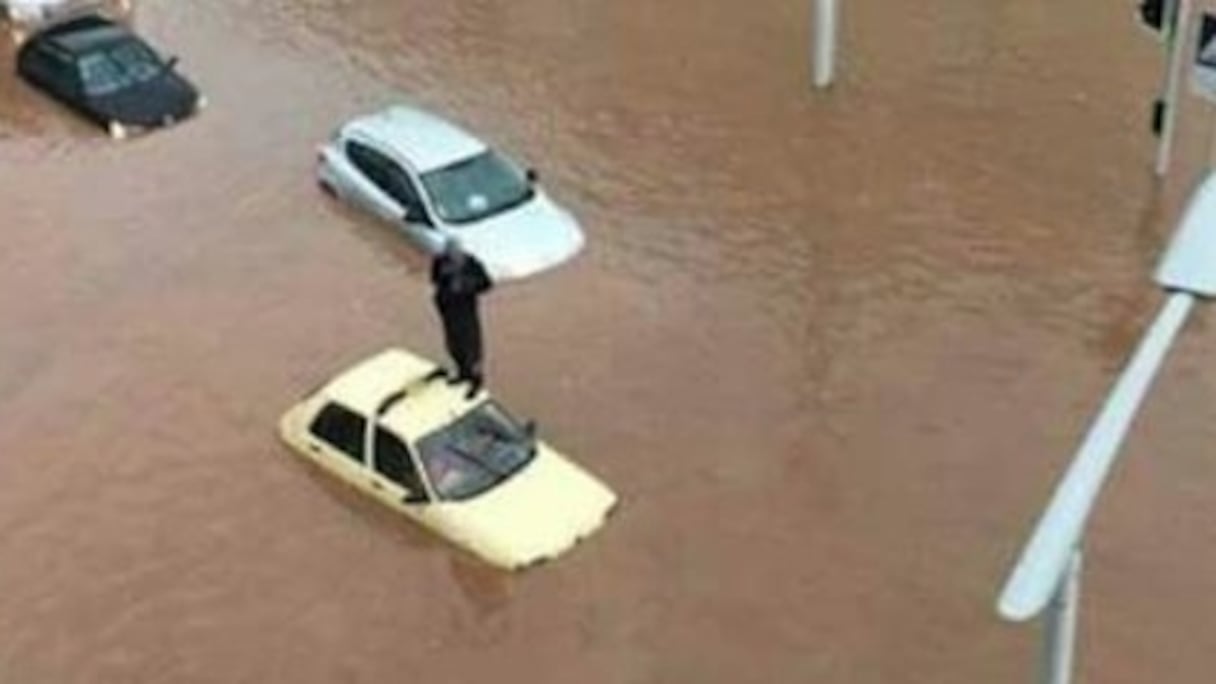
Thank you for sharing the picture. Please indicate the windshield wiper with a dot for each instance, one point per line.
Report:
(471, 458)
(498, 435)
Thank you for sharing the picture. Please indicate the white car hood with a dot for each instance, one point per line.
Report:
(530, 238)
(39, 10)
(33, 5)
(537, 514)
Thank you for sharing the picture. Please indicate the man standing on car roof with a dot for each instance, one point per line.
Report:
(459, 279)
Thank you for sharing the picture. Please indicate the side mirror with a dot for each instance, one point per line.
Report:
(414, 214)
(532, 176)
(530, 433)
(169, 65)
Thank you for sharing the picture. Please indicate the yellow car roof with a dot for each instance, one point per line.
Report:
(425, 406)
(363, 387)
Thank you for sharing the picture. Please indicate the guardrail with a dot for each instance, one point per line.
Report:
(1048, 573)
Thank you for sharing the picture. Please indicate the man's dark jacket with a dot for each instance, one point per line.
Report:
(457, 287)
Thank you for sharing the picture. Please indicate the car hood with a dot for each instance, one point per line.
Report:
(519, 242)
(160, 101)
(534, 516)
(40, 10)
(41, 5)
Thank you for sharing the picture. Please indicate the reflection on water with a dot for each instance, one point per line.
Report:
(488, 589)
(832, 347)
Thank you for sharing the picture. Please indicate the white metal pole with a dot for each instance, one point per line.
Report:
(825, 42)
(1049, 568)
(1060, 627)
(1173, 80)
(1169, 14)
(1044, 561)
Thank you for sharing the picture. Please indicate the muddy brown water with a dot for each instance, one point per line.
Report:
(832, 350)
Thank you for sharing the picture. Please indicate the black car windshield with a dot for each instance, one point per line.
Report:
(118, 66)
(475, 188)
(475, 453)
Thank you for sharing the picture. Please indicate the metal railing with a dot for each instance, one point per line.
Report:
(1047, 576)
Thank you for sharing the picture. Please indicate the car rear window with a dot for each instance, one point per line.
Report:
(341, 428)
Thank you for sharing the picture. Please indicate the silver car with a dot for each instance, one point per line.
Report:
(26, 17)
(431, 180)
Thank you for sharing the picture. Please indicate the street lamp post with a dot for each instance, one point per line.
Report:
(824, 48)
(1048, 573)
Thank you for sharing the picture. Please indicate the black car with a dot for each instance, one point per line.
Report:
(109, 74)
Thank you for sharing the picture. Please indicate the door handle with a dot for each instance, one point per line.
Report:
(377, 485)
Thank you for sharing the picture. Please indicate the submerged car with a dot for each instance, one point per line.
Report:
(432, 179)
(107, 73)
(462, 467)
(26, 17)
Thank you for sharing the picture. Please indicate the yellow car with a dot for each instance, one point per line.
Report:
(462, 467)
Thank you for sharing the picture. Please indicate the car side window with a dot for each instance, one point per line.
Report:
(51, 68)
(63, 73)
(385, 173)
(341, 428)
(393, 461)
(368, 161)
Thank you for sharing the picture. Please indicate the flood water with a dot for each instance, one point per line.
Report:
(832, 349)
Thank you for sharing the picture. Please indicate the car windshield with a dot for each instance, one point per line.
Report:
(118, 66)
(475, 453)
(475, 188)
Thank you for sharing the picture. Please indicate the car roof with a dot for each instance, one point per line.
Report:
(83, 35)
(427, 408)
(396, 380)
(426, 141)
(365, 386)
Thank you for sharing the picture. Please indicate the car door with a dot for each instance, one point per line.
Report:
(54, 71)
(383, 187)
(419, 221)
(394, 477)
(336, 440)
(370, 180)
